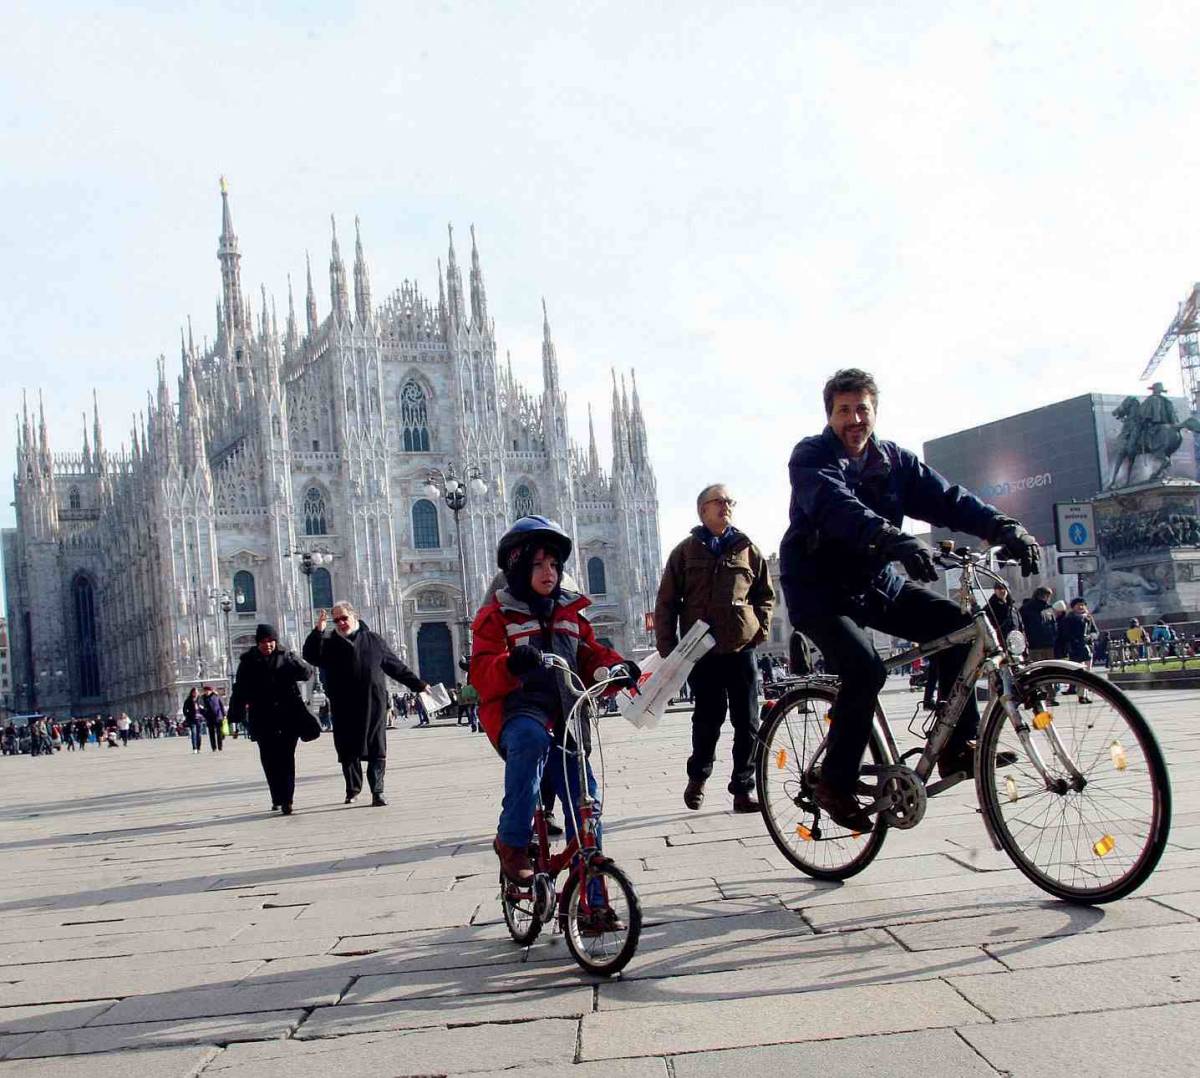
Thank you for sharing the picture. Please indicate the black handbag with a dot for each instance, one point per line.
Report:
(306, 725)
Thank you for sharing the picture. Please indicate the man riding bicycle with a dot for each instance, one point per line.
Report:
(850, 493)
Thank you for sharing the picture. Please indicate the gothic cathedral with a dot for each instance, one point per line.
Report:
(293, 469)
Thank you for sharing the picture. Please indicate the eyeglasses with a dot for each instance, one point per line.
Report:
(344, 618)
(721, 501)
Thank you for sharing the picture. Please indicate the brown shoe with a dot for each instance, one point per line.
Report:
(842, 808)
(746, 803)
(693, 794)
(514, 862)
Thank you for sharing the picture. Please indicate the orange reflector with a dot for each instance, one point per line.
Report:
(1042, 720)
(829, 716)
(781, 759)
(1103, 845)
(1119, 759)
(803, 832)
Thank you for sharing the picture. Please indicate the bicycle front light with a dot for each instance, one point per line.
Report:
(1016, 642)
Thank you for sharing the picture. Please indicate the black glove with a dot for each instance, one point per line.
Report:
(910, 552)
(633, 672)
(523, 660)
(1018, 544)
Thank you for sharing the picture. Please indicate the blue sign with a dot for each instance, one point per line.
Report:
(1077, 533)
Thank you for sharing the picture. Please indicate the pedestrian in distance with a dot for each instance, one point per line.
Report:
(266, 696)
(1077, 635)
(124, 724)
(1003, 610)
(719, 576)
(192, 717)
(355, 664)
(212, 708)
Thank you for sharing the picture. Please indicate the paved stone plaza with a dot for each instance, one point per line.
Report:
(159, 922)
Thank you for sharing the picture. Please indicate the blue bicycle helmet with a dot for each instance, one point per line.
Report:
(540, 531)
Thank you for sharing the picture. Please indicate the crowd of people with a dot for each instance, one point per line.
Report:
(45, 735)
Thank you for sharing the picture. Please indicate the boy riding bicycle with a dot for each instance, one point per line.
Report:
(523, 703)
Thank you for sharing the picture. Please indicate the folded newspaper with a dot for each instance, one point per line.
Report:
(435, 699)
(662, 678)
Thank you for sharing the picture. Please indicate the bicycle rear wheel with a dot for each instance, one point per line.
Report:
(520, 911)
(1088, 840)
(788, 741)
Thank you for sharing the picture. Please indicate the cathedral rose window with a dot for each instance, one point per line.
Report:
(414, 418)
(524, 504)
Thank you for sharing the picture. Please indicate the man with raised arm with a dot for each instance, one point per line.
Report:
(850, 493)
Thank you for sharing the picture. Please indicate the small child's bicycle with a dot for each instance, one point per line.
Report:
(597, 911)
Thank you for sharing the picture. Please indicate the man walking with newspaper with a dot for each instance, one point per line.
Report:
(718, 576)
(354, 662)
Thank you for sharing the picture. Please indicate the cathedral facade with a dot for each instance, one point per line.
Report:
(289, 469)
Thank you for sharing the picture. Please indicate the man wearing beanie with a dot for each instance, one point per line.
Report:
(266, 696)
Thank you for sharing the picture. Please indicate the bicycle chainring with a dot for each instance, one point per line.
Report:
(903, 786)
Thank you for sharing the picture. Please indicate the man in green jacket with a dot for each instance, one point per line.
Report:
(717, 575)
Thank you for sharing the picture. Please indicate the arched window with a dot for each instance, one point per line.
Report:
(316, 518)
(85, 628)
(73, 498)
(425, 525)
(322, 589)
(414, 418)
(597, 584)
(244, 599)
(523, 501)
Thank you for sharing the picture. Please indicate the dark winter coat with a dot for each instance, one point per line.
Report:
(1076, 634)
(830, 557)
(266, 692)
(212, 708)
(1040, 624)
(355, 670)
(1004, 614)
(189, 709)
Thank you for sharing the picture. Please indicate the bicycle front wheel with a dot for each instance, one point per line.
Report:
(1090, 838)
(788, 743)
(601, 920)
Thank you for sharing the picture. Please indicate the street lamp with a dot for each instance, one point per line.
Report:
(454, 493)
(226, 601)
(311, 560)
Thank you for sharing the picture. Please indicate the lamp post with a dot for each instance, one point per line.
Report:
(226, 601)
(311, 560)
(454, 492)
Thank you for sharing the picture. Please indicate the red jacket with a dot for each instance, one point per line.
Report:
(504, 622)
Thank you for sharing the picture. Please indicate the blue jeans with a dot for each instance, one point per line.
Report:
(528, 748)
(197, 732)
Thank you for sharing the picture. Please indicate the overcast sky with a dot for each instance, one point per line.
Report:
(987, 205)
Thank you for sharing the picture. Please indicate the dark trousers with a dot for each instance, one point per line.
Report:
(277, 751)
(353, 770)
(722, 683)
(917, 614)
(216, 739)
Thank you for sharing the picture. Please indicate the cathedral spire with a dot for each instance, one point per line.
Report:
(362, 280)
(87, 451)
(593, 452)
(310, 301)
(549, 355)
(620, 431)
(479, 315)
(291, 334)
(641, 456)
(97, 437)
(43, 438)
(195, 456)
(338, 296)
(231, 272)
(454, 296)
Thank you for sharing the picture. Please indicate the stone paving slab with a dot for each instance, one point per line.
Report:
(1098, 946)
(739, 1023)
(226, 1029)
(936, 1053)
(1162, 1041)
(45, 1016)
(153, 1063)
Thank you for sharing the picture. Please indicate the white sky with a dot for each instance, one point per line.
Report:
(987, 205)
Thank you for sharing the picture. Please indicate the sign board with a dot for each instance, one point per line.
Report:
(1075, 527)
(1069, 564)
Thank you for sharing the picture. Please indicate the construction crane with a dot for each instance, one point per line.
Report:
(1185, 328)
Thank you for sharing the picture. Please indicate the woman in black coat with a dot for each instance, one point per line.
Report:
(355, 664)
(266, 696)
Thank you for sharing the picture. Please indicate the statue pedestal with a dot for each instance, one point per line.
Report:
(1150, 553)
